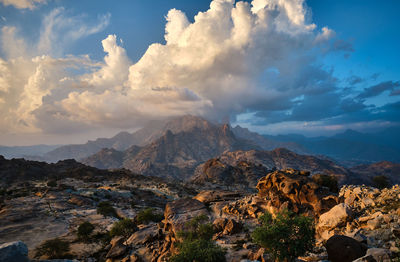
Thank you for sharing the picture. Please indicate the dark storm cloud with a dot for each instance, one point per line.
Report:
(378, 89)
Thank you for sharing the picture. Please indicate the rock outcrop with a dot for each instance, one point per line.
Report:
(295, 190)
(338, 216)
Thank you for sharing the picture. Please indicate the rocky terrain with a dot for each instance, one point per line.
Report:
(132, 203)
(365, 218)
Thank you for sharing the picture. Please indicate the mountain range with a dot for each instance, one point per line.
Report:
(350, 148)
(180, 148)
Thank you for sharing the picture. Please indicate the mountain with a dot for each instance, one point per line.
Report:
(22, 151)
(267, 143)
(350, 148)
(125, 140)
(21, 170)
(176, 154)
(385, 168)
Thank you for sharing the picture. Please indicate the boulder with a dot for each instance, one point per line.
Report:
(178, 212)
(344, 249)
(338, 216)
(144, 235)
(212, 196)
(296, 188)
(117, 248)
(14, 252)
(379, 254)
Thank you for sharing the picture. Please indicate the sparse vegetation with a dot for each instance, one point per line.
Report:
(287, 236)
(106, 209)
(124, 227)
(380, 182)
(196, 243)
(85, 230)
(148, 215)
(53, 248)
(327, 181)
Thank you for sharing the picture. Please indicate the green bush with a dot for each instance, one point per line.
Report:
(148, 215)
(287, 236)
(84, 230)
(327, 181)
(106, 209)
(196, 243)
(124, 227)
(53, 248)
(380, 182)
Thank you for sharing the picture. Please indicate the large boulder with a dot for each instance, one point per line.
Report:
(144, 235)
(180, 211)
(344, 249)
(338, 216)
(213, 196)
(296, 191)
(14, 252)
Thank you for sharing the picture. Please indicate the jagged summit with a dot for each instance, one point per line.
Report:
(187, 142)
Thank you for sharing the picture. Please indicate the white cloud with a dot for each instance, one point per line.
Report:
(59, 27)
(234, 58)
(23, 4)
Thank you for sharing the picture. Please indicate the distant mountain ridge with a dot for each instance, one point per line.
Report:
(22, 151)
(175, 154)
(351, 148)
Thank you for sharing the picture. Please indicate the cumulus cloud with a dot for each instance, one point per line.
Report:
(261, 57)
(23, 4)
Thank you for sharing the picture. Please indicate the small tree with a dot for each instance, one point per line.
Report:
(287, 236)
(380, 182)
(124, 227)
(197, 244)
(147, 215)
(84, 230)
(327, 181)
(53, 248)
(106, 209)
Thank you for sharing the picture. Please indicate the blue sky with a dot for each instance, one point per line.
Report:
(316, 84)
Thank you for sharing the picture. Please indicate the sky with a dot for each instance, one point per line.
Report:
(77, 70)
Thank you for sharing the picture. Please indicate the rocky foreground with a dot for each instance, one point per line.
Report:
(356, 222)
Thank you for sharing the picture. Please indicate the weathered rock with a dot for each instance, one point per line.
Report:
(14, 252)
(178, 212)
(338, 216)
(243, 174)
(80, 201)
(296, 188)
(368, 258)
(117, 248)
(143, 236)
(344, 249)
(379, 254)
(212, 196)
(232, 227)
(227, 226)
